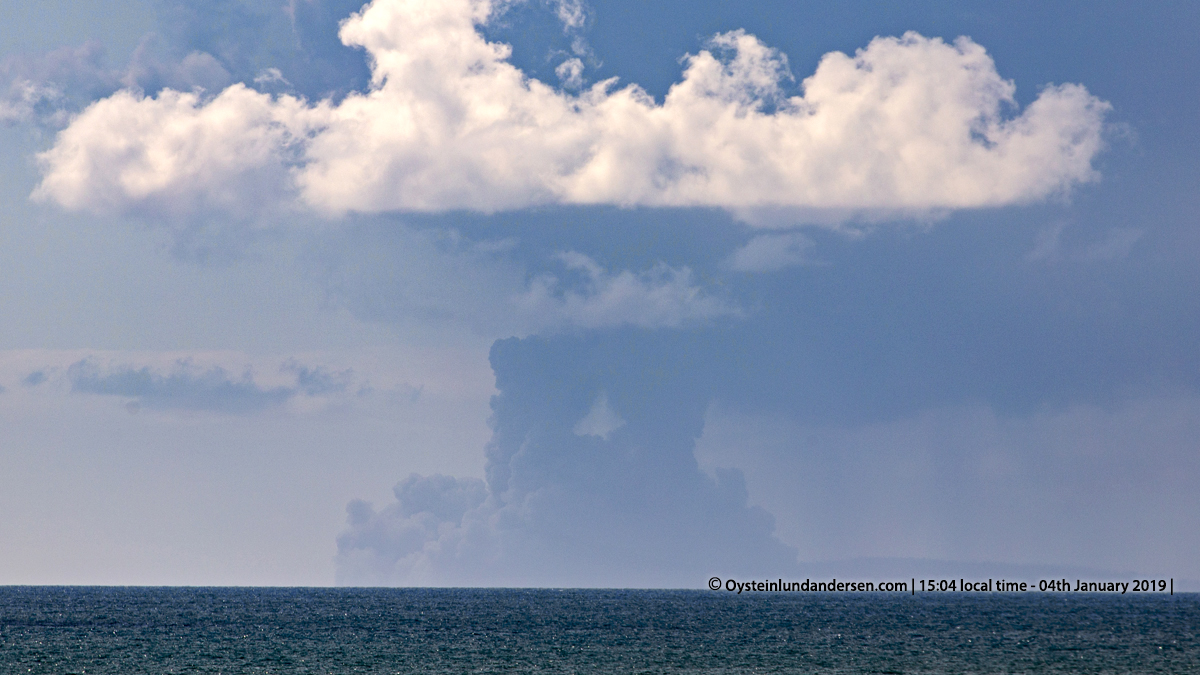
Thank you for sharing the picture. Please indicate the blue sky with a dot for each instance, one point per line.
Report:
(416, 293)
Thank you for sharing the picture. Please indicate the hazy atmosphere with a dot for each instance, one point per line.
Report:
(616, 294)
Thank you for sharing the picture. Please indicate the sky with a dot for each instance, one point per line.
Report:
(620, 294)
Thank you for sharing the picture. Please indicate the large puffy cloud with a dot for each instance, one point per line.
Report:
(591, 481)
(906, 125)
(172, 155)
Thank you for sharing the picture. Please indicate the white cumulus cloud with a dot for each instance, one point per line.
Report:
(175, 155)
(905, 125)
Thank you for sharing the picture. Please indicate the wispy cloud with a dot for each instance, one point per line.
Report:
(771, 252)
(184, 388)
(659, 297)
(906, 125)
(34, 379)
(1115, 245)
(49, 88)
(209, 388)
(429, 275)
(318, 380)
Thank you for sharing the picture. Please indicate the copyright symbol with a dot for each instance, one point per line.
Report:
(715, 583)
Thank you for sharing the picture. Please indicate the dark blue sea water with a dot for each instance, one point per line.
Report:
(255, 630)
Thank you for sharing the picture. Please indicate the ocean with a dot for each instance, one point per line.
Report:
(128, 631)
